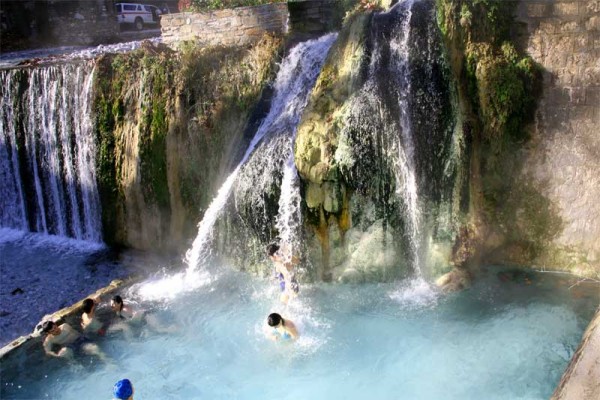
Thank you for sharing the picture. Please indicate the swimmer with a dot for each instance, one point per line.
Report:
(127, 313)
(67, 337)
(123, 390)
(282, 329)
(89, 321)
(284, 270)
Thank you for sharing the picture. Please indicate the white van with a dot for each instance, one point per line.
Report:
(137, 15)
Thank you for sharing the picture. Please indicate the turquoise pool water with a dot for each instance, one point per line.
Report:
(505, 338)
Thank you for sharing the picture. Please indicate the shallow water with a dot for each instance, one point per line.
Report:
(40, 274)
(502, 339)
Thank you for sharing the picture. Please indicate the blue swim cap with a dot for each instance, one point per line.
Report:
(123, 389)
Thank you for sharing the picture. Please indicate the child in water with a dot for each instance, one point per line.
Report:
(282, 329)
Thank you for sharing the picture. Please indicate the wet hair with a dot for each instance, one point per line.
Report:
(272, 249)
(88, 305)
(48, 326)
(118, 300)
(274, 319)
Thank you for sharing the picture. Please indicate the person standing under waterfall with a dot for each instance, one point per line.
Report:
(284, 271)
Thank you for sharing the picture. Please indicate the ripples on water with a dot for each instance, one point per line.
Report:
(497, 340)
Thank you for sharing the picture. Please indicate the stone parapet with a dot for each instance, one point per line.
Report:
(225, 27)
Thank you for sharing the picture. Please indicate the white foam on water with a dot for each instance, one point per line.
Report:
(415, 293)
(59, 243)
(169, 287)
(8, 235)
(284, 115)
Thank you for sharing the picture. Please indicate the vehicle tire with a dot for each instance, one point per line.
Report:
(139, 24)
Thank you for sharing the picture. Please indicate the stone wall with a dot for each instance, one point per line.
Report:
(31, 24)
(315, 16)
(225, 27)
(90, 23)
(563, 157)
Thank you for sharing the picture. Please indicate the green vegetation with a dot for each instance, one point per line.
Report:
(158, 70)
(502, 85)
(497, 88)
(108, 111)
(167, 122)
(218, 88)
(208, 5)
(143, 76)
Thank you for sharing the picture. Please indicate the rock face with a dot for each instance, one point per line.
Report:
(168, 125)
(581, 380)
(363, 148)
(533, 179)
(563, 157)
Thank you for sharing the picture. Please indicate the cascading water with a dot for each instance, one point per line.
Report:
(289, 218)
(271, 147)
(48, 151)
(296, 77)
(395, 141)
(404, 164)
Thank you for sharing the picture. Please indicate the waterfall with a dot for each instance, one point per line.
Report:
(272, 143)
(48, 151)
(404, 164)
(12, 203)
(289, 218)
(395, 140)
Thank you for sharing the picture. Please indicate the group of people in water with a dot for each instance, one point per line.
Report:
(64, 341)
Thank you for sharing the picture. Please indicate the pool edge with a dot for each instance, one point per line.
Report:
(581, 379)
(62, 314)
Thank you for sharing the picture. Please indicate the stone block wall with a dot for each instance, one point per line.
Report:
(563, 158)
(29, 24)
(312, 16)
(225, 27)
(89, 23)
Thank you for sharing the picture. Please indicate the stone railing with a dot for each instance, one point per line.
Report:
(225, 27)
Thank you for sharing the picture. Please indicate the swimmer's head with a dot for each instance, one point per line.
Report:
(48, 326)
(123, 389)
(117, 303)
(274, 319)
(88, 305)
(272, 249)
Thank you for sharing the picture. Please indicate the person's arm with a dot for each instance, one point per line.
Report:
(85, 320)
(48, 347)
(291, 329)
